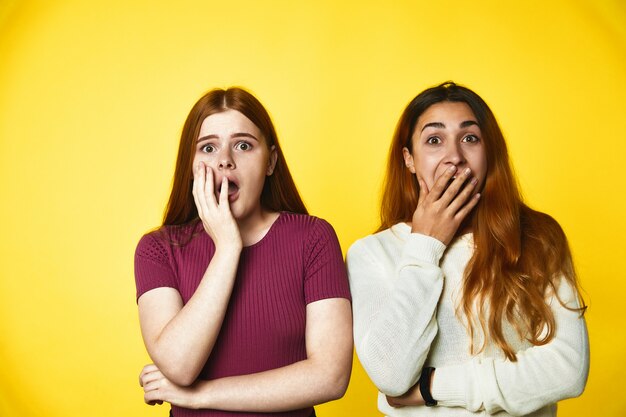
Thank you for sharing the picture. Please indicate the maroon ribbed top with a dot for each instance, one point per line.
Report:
(299, 261)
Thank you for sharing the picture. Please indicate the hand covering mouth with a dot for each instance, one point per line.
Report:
(449, 183)
(451, 180)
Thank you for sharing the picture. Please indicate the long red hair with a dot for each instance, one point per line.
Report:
(279, 191)
(520, 254)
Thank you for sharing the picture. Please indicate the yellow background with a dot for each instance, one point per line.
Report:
(93, 96)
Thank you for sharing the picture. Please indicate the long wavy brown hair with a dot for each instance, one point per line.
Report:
(520, 254)
(279, 191)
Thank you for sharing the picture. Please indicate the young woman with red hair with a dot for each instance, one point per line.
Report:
(465, 298)
(243, 298)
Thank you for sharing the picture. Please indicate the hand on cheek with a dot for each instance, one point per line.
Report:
(216, 216)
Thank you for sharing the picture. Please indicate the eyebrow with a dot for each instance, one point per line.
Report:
(439, 125)
(234, 135)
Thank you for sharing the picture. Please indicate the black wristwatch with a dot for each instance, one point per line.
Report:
(427, 374)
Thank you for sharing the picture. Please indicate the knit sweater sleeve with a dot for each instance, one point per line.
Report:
(541, 375)
(395, 294)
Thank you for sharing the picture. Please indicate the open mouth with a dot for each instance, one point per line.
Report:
(233, 190)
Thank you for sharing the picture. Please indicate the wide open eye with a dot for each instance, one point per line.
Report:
(471, 139)
(208, 148)
(243, 146)
(433, 140)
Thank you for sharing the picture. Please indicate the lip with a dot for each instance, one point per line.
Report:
(233, 196)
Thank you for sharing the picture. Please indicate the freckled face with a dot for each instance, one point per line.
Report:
(234, 147)
(446, 134)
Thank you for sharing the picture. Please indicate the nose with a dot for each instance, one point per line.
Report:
(225, 161)
(454, 154)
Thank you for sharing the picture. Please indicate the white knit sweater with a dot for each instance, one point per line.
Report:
(405, 290)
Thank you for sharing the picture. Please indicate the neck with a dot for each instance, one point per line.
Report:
(254, 228)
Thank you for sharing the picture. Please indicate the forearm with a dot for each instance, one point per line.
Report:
(541, 375)
(299, 385)
(181, 348)
(322, 377)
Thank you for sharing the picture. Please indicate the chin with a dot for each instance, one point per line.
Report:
(239, 213)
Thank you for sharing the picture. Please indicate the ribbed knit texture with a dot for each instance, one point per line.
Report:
(297, 262)
(406, 288)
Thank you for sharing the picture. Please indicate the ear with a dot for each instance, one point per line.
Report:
(408, 160)
(271, 163)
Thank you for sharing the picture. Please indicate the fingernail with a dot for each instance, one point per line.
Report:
(467, 171)
(474, 181)
(452, 168)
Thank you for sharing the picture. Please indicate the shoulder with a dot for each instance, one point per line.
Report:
(299, 220)
(537, 220)
(152, 245)
(387, 243)
(542, 230)
(306, 226)
(157, 243)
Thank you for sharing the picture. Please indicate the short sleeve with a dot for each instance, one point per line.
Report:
(153, 266)
(325, 270)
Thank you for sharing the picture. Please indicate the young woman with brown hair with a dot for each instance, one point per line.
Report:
(243, 297)
(465, 298)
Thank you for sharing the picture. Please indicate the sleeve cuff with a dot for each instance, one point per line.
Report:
(448, 386)
(421, 249)
(452, 386)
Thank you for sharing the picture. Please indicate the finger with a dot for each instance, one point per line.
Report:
(150, 368)
(153, 394)
(152, 398)
(148, 379)
(442, 182)
(209, 188)
(224, 192)
(146, 370)
(393, 402)
(461, 214)
(454, 185)
(423, 191)
(152, 385)
(198, 187)
(460, 198)
(466, 192)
